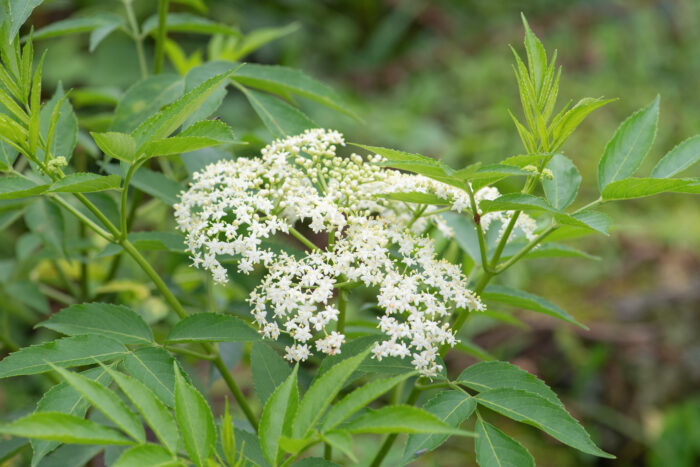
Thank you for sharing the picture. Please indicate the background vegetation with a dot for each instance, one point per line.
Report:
(436, 78)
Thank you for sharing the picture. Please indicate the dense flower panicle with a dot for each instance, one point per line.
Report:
(416, 291)
(232, 207)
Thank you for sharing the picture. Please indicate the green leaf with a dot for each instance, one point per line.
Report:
(415, 163)
(101, 32)
(626, 150)
(277, 415)
(528, 301)
(153, 366)
(499, 375)
(201, 135)
(145, 98)
(561, 191)
(85, 183)
(18, 12)
(684, 155)
(359, 398)
(196, 76)
(401, 419)
(65, 428)
(164, 123)
(150, 407)
(258, 38)
(150, 455)
(18, 186)
(76, 25)
(63, 398)
(268, 368)
(530, 408)
(189, 23)
(117, 145)
(593, 220)
(106, 402)
(102, 319)
(496, 449)
(279, 117)
(211, 327)
(573, 118)
(282, 80)
(10, 447)
(451, 407)
(66, 127)
(536, 57)
(629, 188)
(195, 420)
(342, 441)
(322, 392)
(66, 352)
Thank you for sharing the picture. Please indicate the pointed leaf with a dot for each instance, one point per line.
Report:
(498, 375)
(282, 80)
(117, 145)
(358, 399)
(164, 123)
(103, 319)
(211, 327)
(63, 398)
(451, 407)
(66, 352)
(496, 449)
(629, 188)
(150, 407)
(401, 419)
(573, 118)
(528, 301)
(276, 415)
(195, 420)
(626, 150)
(530, 408)
(322, 392)
(279, 117)
(17, 186)
(678, 159)
(106, 402)
(56, 426)
(85, 183)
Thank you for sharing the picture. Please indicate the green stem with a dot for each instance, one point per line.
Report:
(298, 235)
(479, 229)
(57, 295)
(327, 451)
(160, 36)
(85, 220)
(526, 249)
(235, 390)
(65, 280)
(136, 35)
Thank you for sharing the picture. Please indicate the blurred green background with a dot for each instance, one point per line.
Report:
(435, 77)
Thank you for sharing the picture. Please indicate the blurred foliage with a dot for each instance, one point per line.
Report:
(436, 78)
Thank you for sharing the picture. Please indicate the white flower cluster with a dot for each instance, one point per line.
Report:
(232, 207)
(416, 291)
